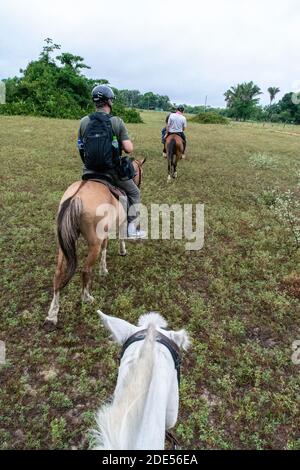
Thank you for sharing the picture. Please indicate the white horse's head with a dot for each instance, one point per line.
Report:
(146, 397)
(121, 330)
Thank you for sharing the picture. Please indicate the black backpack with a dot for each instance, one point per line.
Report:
(99, 153)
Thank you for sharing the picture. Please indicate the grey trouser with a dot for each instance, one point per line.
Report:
(133, 195)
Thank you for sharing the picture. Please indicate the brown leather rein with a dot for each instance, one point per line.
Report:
(137, 165)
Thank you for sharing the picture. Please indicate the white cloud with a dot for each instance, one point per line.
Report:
(183, 49)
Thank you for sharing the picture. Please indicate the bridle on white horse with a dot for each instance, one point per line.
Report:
(175, 353)
(160, 338)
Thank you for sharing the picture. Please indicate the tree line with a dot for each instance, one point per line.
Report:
(55, 86)
(242, 103)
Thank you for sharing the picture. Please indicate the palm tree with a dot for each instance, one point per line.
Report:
(242, 99)
(244, 91)
(273, 90)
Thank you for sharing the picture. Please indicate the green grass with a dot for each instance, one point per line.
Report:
(238, 297)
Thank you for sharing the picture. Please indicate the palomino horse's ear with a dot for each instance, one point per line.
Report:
(120, 329)
(181, 338)
(143, 161)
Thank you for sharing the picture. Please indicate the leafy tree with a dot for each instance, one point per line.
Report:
(148, 100)
(131, 98)
(242, 100)
(74, 61)
(47, 50)
(289, 111)
(56, 88)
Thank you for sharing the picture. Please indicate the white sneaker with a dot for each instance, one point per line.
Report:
(134, 233)
(138, 235)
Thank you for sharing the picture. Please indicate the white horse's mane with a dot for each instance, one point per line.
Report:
(154, 318)
(118, 422)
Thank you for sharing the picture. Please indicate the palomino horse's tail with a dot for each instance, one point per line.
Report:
(68, 231)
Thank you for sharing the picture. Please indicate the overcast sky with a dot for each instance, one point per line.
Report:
(184, 49)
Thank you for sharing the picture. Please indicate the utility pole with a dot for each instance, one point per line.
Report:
(205, 104)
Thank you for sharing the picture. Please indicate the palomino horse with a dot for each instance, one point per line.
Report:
(146, 398)
(83, 208)
(174, 147)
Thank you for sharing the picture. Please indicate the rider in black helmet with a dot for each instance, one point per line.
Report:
(103, 94)
(103, 97)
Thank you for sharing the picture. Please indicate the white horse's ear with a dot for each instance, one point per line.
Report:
(181, 338)
(120, 329)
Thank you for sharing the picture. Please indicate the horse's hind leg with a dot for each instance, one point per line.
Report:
(122, 248)
(57, 283)
(91, 259)
(103, 268)
(175, 170)
(169, 169)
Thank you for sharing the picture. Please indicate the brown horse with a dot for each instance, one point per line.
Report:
(174, 147)
(90, 209)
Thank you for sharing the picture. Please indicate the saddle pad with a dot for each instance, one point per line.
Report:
(115, 191)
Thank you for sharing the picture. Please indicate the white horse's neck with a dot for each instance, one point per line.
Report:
(150, 422)
(145, 399)
(160, 401)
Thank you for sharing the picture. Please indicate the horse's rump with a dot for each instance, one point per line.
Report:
(82, 207)
(174, 145)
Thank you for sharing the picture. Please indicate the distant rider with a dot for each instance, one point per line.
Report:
(176, 125)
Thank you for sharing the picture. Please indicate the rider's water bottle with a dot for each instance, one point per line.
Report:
(115, 142)
(115, 148)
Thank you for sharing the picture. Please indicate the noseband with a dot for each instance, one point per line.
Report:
(160, 338)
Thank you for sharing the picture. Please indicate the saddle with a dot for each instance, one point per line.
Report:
(174, 133)
(106, 180)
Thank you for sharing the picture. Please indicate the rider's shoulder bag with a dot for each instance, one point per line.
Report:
(126, 169)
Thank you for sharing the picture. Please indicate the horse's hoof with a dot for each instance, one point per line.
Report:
(175, 174)
(169, 179)
(103, 272)
(123, 254)
(49, 326)
(88, 298)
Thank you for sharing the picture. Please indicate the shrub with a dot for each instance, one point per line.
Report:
(209, 118)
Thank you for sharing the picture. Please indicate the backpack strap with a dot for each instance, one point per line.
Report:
(100, 117)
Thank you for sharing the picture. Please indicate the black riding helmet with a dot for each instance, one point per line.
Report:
(101, 94)
(180, 108)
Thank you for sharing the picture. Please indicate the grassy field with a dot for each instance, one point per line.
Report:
(238, 297)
